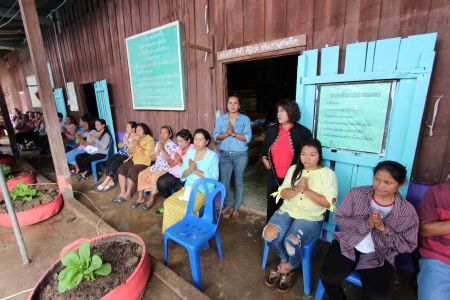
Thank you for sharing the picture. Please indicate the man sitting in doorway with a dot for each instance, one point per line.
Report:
(434, 214)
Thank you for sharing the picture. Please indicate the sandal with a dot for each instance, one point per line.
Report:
(119, 200)
(147, 206)
(286, 282)
(100, 188)
(136, 204)
(108, 187)
(227, 212)
(273, 278)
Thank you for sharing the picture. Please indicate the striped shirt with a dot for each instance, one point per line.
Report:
(400, 234)
(435, 206)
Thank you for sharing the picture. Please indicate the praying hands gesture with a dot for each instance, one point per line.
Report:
(375, 221)
(230, 130)
(178, 159)
(192, 165)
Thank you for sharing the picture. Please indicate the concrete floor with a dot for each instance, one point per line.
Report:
(239, 275)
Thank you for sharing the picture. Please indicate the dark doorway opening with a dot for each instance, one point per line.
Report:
(90, 99)
(260, 84)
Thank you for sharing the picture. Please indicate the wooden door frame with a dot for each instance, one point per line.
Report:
(222, 84)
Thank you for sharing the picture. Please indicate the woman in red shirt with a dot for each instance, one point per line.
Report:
(281, 148)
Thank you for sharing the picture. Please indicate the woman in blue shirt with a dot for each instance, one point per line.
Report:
(233, 132)
(200, 162)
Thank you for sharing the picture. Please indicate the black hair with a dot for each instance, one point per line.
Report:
(397, 170)
(185, 135)
(105, 131)
(299, 166)
(72, 119)
(205, 134)
(133, 124)
(60, 115)
(169, 129)
(235, 95)
(145, 128)
(86, 118)
(292, 109)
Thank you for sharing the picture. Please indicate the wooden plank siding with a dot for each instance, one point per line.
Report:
(92, 47)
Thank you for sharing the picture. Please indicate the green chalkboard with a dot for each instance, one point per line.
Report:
(354, 116)
(156, 65)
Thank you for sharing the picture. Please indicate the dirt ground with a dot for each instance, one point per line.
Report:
(238, 276)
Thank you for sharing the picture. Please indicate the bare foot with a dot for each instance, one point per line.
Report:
(235, 215)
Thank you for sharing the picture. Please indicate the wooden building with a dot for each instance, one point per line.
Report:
(86, 43)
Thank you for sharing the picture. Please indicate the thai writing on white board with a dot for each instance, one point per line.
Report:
(289, 42)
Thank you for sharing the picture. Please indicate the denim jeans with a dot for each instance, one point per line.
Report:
(286, 249)
(433, 279)
(71, 155)
(233, 162)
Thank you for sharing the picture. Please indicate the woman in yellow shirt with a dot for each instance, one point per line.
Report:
(308, 190)
(139, 158)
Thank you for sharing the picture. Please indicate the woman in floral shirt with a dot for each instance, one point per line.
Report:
(164, 149)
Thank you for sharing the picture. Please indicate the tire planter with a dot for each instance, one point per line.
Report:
(36, 214)
(132, 288)
(28, 178)
(6, 159)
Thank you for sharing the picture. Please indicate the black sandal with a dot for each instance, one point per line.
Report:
(147, 206)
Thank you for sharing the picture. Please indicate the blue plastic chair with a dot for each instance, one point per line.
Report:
(306, 264)
(353, 278)
(96, 162)
(193, 232)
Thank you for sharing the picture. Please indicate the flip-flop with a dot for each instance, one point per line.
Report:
(108, 187)
(136, 204)
(119, 200)
(100, 188)
(147, 206)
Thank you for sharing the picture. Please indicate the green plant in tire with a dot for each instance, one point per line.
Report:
(7, 171)
(24, 192)
(79, 266)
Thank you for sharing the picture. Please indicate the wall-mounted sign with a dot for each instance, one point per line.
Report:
(33, 90)
(72, 95)
(281, 44)
(156, 65)
(354, 116)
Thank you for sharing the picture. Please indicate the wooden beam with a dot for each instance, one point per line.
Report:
(4, 13)
(11, 45)
(8, 124)
(196, 47)
(39, 62)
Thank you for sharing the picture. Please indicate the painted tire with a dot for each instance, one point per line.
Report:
(6, 159)
(36, 214)
(29, 178)
(133, 287)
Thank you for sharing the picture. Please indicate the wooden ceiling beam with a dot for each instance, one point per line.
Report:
(4, 13)
(11, 45)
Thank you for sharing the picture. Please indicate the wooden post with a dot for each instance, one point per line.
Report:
(8, 124)
(39, 60)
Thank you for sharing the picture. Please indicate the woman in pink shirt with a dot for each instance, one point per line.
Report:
(170, 182)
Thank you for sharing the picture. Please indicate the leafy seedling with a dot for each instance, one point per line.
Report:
(79, 266)
(25, 192)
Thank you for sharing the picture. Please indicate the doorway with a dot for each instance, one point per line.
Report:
(260, 84)
(90, 99)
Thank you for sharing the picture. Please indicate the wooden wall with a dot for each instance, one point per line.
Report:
(92, 44)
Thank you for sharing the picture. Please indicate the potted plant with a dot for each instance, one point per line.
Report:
(112, 266)
(14, 177)
(32, 204)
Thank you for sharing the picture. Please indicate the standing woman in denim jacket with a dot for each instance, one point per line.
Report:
(281, 148)
(234, 132)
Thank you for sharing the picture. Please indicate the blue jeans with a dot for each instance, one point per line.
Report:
(233, 162)
(303, 230)
(433, 279)
(71, 155)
